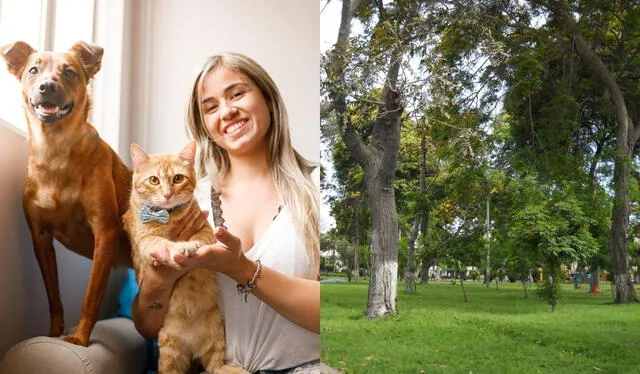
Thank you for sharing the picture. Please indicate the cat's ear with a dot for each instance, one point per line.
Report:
(188, 153)
(138, 156)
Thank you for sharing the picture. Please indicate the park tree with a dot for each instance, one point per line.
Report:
(410, 197)
(565, 71)
(347, 201)
(608, 41)
(370, 71)
(417, 178)
(555, 228)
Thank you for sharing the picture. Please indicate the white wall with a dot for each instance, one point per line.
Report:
(172, 38)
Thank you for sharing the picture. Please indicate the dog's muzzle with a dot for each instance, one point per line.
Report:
(50, 103)
(49, 112)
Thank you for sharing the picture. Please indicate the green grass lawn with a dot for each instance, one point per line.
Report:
(434, 331)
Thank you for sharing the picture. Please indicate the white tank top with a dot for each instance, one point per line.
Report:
(257, 336)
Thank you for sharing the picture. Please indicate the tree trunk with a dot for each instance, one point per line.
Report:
(356, 250)
(595, 279)
(487, 272)
(424, 271)
(378, 159)
(464, 292)
(384, 253)
(626, 136)
(625, 291)
(554, 301)
(409, 278)
(333, 259)
(427, 259)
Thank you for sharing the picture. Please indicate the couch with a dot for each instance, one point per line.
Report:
(115, 346)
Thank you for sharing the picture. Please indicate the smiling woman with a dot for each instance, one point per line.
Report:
(235, 112)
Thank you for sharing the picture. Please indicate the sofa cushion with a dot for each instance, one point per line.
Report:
(115, 347)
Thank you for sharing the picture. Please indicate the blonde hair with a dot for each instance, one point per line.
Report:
(290, 171)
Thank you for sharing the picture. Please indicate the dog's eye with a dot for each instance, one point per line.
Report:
(178, 178)
(70, 73)
(154, 180)
(33, 70)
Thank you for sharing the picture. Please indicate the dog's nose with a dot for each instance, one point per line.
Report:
(47, 87)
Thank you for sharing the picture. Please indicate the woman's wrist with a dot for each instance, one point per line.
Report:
(155, 280)
(245, 270)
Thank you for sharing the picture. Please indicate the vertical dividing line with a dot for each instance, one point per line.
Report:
(99, 107)
(145, 67)
(125, 119)
(94, 23)
(47, 25)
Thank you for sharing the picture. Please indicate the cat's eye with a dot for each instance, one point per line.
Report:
(154, 180)
(178, 178)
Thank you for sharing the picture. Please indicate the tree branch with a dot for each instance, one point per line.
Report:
(350, 136)
(626, 128)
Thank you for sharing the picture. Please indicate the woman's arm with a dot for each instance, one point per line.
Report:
(296, 299)
(156, 286)
(149, 308)
(152, 301)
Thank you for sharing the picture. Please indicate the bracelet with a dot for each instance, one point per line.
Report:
(245, 289)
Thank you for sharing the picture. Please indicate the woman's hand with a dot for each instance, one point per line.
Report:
(300, 304)
(191, 223)
(224, 256)
(164, 272)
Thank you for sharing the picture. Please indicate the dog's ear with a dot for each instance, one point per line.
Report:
(138, 156)
(16, 56)
(188, 153)
(90, 56)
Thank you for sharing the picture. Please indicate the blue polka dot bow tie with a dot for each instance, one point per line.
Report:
(159, 215)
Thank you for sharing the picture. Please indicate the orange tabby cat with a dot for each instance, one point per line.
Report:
(163, 187)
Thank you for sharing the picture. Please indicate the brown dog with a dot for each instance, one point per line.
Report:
(77, 188)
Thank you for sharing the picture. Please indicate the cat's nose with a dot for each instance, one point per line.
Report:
(168, 195)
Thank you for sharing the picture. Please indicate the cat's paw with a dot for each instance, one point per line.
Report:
(187, 249)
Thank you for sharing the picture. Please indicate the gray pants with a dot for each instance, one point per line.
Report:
(314, 367)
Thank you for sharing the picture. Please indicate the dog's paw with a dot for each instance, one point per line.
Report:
(57, 327)
(55, 332)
